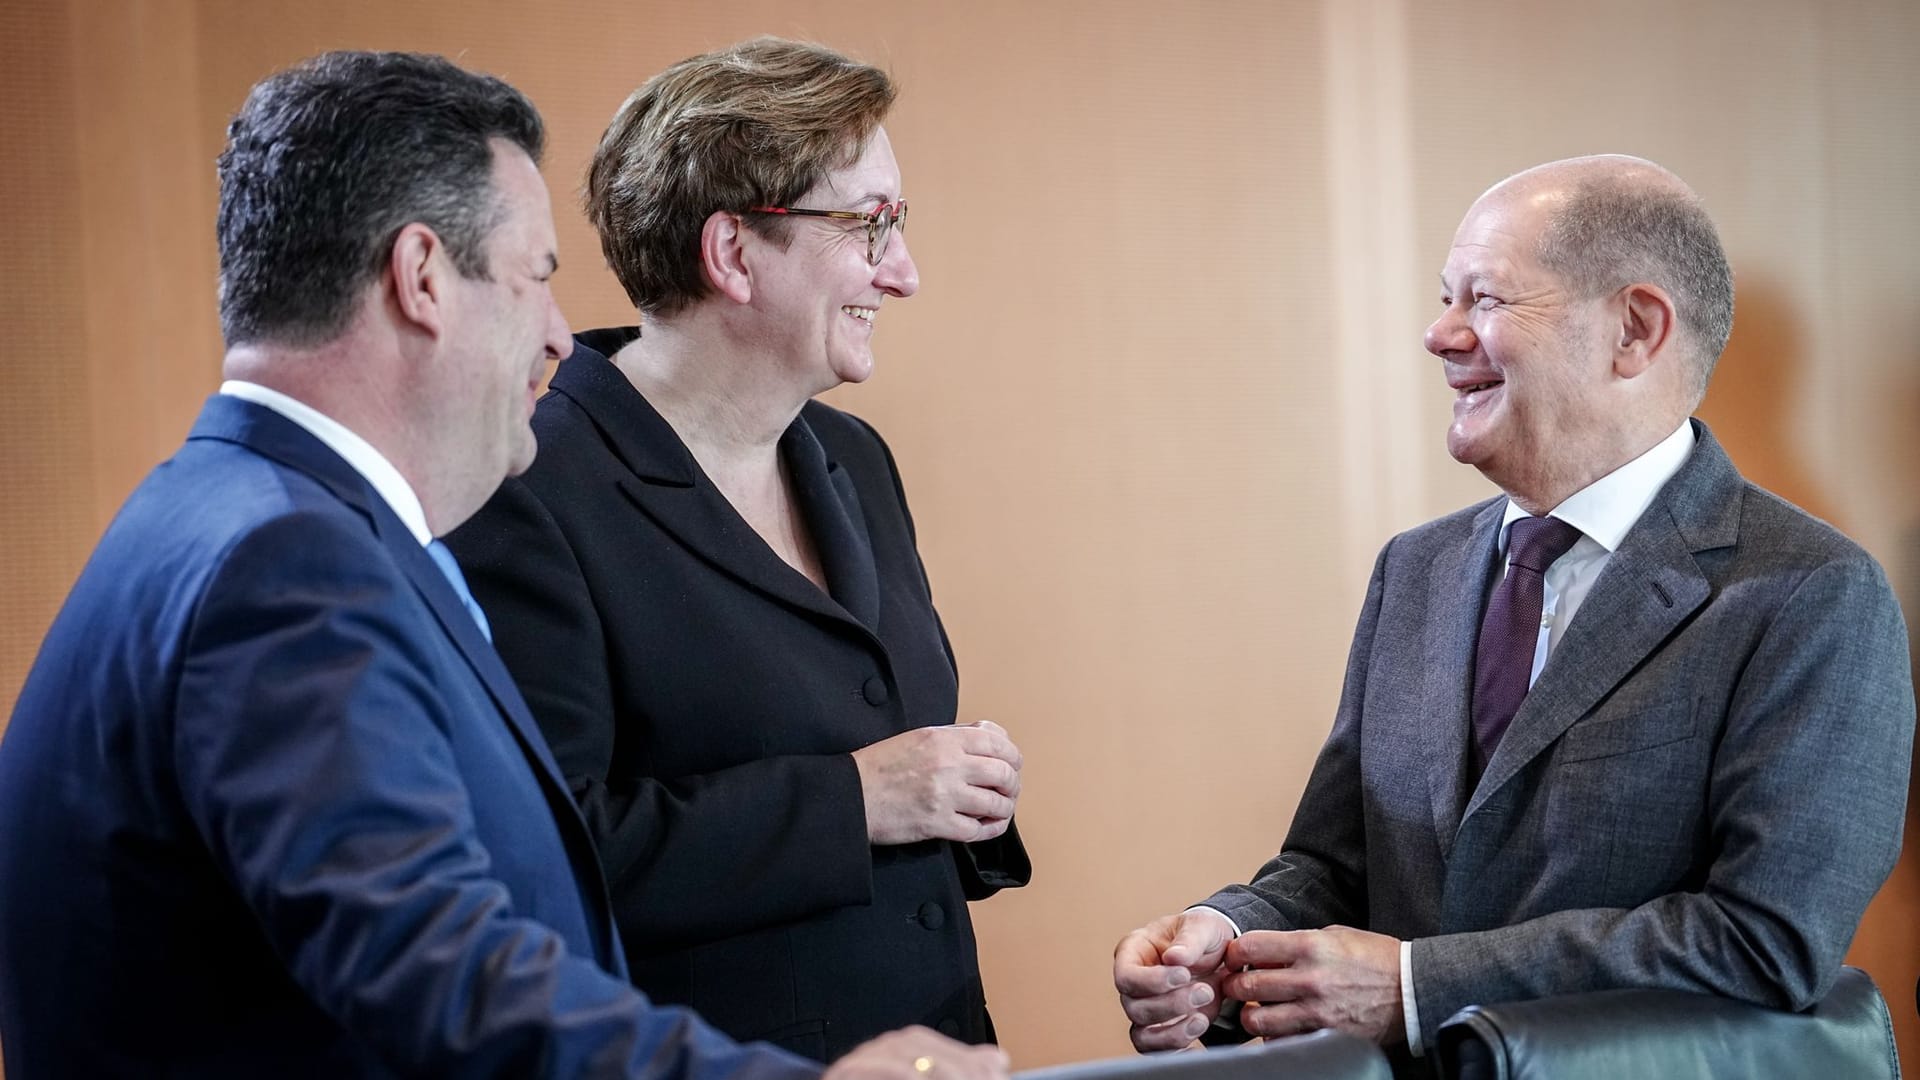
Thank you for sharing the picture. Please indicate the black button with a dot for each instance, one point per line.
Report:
(932, 915)
(874, 690)
(948, 1027)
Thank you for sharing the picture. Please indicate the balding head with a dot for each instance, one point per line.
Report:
(1584, 304)
(1612, 220)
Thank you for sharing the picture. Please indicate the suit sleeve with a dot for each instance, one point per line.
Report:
(314, 755)
(1805, 806)
(793, 828)
(1319, 876)
(986, 866)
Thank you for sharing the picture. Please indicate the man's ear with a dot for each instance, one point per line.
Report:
(723, 256)
(1648, 326)
(419, 269)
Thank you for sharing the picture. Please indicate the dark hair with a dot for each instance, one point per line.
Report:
(756, 124)
(328, 160)
(1612, 231)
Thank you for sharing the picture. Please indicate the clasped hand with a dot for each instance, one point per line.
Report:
(1173, 973)
(958, 782)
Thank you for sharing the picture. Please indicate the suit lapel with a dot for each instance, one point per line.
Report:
(832, 508)
(274, 436)
(1457, 589)
(453, 617)
(1651, 586)
(668, 486)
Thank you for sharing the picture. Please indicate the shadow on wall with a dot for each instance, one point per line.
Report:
(1747, 401)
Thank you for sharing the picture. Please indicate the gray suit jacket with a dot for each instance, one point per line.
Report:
(1703, 790)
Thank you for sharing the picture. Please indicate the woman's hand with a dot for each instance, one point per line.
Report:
(958, 782)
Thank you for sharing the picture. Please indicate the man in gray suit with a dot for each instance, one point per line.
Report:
(1635, 723)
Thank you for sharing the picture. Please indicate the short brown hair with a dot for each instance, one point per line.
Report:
(757, 124)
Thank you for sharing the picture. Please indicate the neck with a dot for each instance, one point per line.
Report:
(723, 397)
(355, 383)
(1547, 484)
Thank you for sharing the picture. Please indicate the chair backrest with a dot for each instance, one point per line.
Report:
(1323, 1055)
(1615, 1033)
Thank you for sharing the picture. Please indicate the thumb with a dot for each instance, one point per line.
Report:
(1198, 936)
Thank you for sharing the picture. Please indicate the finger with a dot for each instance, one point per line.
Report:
(990, 829)
(981, 802)
(1269, 985)
(1200, 940)
(1172, 1005)
(1137, 970)
(990, 743)
(1175, 1034)
(967, 829)
(991, 772)
(1270, 948)
(1279, 1021)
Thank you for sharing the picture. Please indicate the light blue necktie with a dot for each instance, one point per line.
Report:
(443, 558)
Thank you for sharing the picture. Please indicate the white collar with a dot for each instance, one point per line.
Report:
(357, 452)
(1604, 510)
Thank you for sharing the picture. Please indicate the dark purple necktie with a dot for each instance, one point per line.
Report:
(1503, 659)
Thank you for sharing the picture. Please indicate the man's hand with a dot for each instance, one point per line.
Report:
(940, 783)
(1168, 973)
(1305, 980)
(917, 1053)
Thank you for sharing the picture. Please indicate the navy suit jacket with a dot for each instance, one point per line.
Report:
(271, 806)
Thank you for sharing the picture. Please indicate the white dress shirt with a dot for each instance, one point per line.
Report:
(358, 452)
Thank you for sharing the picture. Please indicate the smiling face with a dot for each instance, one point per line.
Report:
(821, 296)
(1527, 359)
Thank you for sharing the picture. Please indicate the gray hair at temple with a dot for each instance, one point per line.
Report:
(1613, 230)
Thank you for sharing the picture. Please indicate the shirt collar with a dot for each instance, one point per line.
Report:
(1604, 510)
(358, 452)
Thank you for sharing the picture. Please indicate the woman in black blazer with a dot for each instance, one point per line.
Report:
(707, 585)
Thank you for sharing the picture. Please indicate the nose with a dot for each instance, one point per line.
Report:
(559, 335)
(896, 273)
(1449, 333)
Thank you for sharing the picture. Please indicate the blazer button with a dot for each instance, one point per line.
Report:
(949, 1027)
(932, 915)
(875, 691)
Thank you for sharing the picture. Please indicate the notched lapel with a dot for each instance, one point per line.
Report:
(704, 523)
(832, 508)
(668, 486)
(433, 587)
(1456, 591)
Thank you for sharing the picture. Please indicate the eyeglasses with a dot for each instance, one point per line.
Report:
(881, 223)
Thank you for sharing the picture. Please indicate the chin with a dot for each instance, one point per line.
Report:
(1462, 447)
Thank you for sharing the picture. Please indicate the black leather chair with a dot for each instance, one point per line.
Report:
(1662, 1033)
(1323, 1055)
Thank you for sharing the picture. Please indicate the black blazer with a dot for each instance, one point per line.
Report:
(703, 699)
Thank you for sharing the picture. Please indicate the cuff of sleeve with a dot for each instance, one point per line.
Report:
(1407, 1005)
(1236, 926)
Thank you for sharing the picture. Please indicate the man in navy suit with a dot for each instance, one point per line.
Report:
(269, 803)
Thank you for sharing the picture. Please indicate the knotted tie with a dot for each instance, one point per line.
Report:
(443, 558)
(1503, 658)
